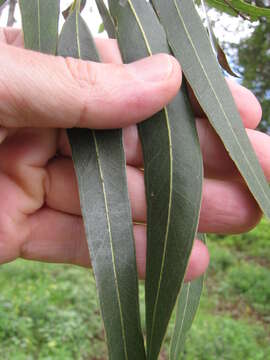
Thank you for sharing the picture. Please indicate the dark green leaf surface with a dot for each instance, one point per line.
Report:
(100, 166)
(240, 7)
(186, 309)
(173, 175)
(185, 31)
(106, 18)
(40, 24)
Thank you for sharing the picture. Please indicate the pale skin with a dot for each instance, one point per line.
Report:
(41, 95)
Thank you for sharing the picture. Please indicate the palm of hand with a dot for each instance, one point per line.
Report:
(40, 216)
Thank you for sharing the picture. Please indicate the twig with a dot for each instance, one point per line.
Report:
(244, 17)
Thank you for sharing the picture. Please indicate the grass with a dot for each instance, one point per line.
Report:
(48, 312)
(51, 312)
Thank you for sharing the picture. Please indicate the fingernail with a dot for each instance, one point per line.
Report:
(153, 68)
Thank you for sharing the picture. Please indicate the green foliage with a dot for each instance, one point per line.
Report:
(221, 258)
(254, 65)
(242, 8)
(51, 311)
(251, 282)
(245, 261)
(220, 337)
(254, 244)
(47, 312)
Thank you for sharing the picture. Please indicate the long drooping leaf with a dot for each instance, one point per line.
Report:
(186, 309)
(191, 46)
(40, 24)
(100, 166)
(173, 175)
(106, 18)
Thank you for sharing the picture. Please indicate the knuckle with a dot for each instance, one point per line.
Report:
(83, 73)
(84, 77)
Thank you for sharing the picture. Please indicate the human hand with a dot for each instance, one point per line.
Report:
(40, 217)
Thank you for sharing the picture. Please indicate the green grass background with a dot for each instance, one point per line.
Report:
(51, 311)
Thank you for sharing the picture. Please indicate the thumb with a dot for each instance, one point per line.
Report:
(40, 90)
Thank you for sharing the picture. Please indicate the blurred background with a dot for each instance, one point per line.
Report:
(51, 311)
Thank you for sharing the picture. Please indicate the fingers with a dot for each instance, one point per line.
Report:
(108, 51)
(217, 163)
(132, 145)
(198, 261)
(23, 157)
(247, 104)
(38, 90)
(62, 194)
(11, 36)
(227, 206)
(64, 242)
(61, 187)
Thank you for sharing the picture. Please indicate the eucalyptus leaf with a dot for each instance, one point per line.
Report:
(186, 309)
(185, 31)
(70, 8)
(100, 167)
(173, 174)
(107, 19)
(40, 24)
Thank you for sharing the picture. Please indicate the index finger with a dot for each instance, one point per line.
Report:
(39, 90)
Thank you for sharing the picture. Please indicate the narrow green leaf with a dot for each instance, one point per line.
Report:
(173, 174)
(185, 31)
(40, 24)
(241, 8)
(186, 309)
(107, 19)
(70, 8)
(100, 166)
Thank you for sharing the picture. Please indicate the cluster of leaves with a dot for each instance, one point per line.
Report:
(254, 65)
(170, 145)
